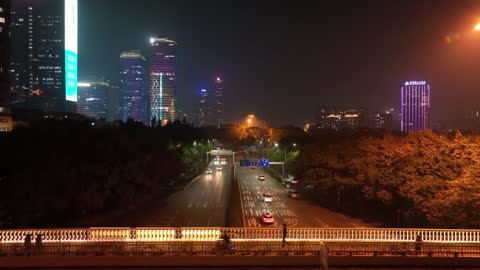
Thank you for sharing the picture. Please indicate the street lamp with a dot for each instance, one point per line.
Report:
(194, 143)
(285, 157)
(476, 27)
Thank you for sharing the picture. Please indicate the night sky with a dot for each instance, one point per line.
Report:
(281, 62)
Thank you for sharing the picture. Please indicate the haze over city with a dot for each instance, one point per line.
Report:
(283, 62)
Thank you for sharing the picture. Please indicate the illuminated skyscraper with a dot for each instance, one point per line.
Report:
(218, 102)
(5, 119)
(133, 101)
(414, 106)
(162, 88)
(44, 54)
(204, 109)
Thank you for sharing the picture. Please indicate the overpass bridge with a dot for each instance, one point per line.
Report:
(208, 234)
(188, 246)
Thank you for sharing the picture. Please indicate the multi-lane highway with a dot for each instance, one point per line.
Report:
(293, 212)
(202, 203)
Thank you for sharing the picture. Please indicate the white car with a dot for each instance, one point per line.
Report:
(261, 177)
(267, 197)
(209, 171)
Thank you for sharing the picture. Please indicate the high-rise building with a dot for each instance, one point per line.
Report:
(93, 98)
(44, 54)
(5, 119)
(204, 109)
(218, 108)
(414, 106)
(162, 89)
(133, 101)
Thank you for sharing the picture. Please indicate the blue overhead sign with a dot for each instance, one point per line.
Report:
(254, 163)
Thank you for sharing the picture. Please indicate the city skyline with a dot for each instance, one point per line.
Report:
(255, 50)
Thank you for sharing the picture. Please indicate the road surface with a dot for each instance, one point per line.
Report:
(201, 204)
(293, 212)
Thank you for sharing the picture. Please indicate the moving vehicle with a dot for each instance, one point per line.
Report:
(293, 194)
(224, 161)
(267, 218)
(209, 171)
(261, 177)
(219, 169)
(267, 197)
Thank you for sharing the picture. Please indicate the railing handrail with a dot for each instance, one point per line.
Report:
(163, 234)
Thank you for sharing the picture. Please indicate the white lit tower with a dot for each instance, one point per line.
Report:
(162, 86)
(218, 107)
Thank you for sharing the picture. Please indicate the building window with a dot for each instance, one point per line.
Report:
(2, 20)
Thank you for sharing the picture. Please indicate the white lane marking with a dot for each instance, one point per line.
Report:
(209, 220)
(190, 205)
(323, 224)
(356, 225)
(205, 205)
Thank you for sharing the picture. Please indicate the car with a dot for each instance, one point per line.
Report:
(261, 177)
(267, 218)
(219, 169)
(293, 194)
(267, 197)
(209, 170)
(224, 161)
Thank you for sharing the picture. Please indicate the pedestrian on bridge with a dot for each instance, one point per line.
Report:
(27, 243)
(284, 234)
(418, 244)
(38, 243)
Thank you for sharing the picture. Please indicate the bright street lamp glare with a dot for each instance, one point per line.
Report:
(477, 27)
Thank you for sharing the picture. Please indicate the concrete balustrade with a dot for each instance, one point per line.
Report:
(125, 234)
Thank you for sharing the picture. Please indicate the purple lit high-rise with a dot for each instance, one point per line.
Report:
(133, 102)
(162, 89)
(415, 106)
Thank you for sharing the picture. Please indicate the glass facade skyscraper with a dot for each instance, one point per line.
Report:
(133, 102)
(162, 85)
(4, 57)
(38, 64)
(414, 106)
(5, 119)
